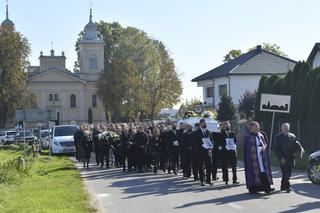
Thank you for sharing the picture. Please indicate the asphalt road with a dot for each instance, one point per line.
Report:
(122, 192)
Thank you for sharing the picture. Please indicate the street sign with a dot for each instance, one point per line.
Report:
(198, 108)
(36, 114)
(275, 103)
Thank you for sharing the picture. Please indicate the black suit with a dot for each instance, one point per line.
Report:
(219, 152)
(141, 140)
(186, 152)
(285, 147)
(230, 158)
(173, 151)
(203, 154)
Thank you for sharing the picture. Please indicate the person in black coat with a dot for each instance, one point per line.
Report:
(141, 140)
(230, 153)
(77, 139)
(186, 151)
(219, 154)
(163, 152)
(124, 147)
(95, 139)
(85, 148)
(195, 158)
(286, 145)
(131, 151)
(204, 151)
(173, 148)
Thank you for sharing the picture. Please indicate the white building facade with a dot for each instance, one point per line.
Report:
(72, 94)
(241, 74)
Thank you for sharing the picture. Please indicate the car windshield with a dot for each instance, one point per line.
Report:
(44, 134)
(26, 134)
(65, 131)
(11, 133)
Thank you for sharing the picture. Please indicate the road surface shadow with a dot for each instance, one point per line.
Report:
(304, 207)
(307, 189)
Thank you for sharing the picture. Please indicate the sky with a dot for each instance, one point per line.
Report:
(198, 33)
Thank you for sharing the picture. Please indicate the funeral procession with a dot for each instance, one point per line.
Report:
(159, 106)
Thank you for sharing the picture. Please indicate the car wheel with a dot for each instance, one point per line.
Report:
(314, 172)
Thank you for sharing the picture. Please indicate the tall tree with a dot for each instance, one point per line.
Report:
(226, 109)
(232, 54)
(14, 51)
(139, 77)
(187, 105)
(247, 103)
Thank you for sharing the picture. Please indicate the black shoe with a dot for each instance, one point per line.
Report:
(236, 182)
(175, 173)
(196, 179)
(209, 182)
(289, 190)
(201, 184)
(269, 190)
(226, 182)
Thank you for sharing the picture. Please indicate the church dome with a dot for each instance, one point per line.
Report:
(90, 30)
(7, 21)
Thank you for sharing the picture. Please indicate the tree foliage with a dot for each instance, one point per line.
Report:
(187, 105)
(226, 109)
(232, 54)
(14, 51)
(273, 48)
(247, 103)
(140, 77)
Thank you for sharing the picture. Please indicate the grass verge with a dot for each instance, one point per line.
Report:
(50, 185)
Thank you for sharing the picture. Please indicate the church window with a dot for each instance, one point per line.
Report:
(53, 97)
(94, 101)
(73, 101)
(93, 64)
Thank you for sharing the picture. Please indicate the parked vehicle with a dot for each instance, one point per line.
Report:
(44, 138)
(28, 135)
(62, 141)
(7, 137)
(314, 167)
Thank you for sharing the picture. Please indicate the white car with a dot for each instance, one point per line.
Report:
(62, 140)
(7, 137)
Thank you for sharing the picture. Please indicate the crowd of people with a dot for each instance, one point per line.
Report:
(193, 150)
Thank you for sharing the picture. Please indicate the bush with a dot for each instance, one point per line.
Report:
(13, 170)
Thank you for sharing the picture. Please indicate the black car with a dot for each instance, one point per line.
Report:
(314, 167)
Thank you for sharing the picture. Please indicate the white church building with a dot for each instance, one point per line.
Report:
(72, 94)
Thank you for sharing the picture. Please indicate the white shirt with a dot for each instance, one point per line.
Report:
(259, 148)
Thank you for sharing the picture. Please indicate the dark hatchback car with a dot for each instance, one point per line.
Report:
(314, 167)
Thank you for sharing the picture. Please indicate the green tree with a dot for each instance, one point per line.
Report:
(247, 103)
(187, 105)
(226, 109)
(273, 48)
(232, 54)
(139, 77)
(14, 51)
(261, 89)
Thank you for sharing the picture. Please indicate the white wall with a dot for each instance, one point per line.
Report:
(240, 83)
(316, 60)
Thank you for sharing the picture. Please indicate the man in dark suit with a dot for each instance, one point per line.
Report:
(286, 145)
(230, 153)
(141, 140)
(173, 145)
(204, 151)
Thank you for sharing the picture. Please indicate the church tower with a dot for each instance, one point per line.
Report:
(7, 21)
(91, 52)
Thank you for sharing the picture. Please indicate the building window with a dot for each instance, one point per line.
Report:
(223, 90)
(94, 101)
(93, 64)
(73, 101)
(53, 97)
(209, 92)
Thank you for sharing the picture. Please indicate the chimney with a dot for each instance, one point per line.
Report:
(259, 47)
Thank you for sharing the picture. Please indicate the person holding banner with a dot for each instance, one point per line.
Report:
(204, 151)
(231, 153)
(257, 161)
